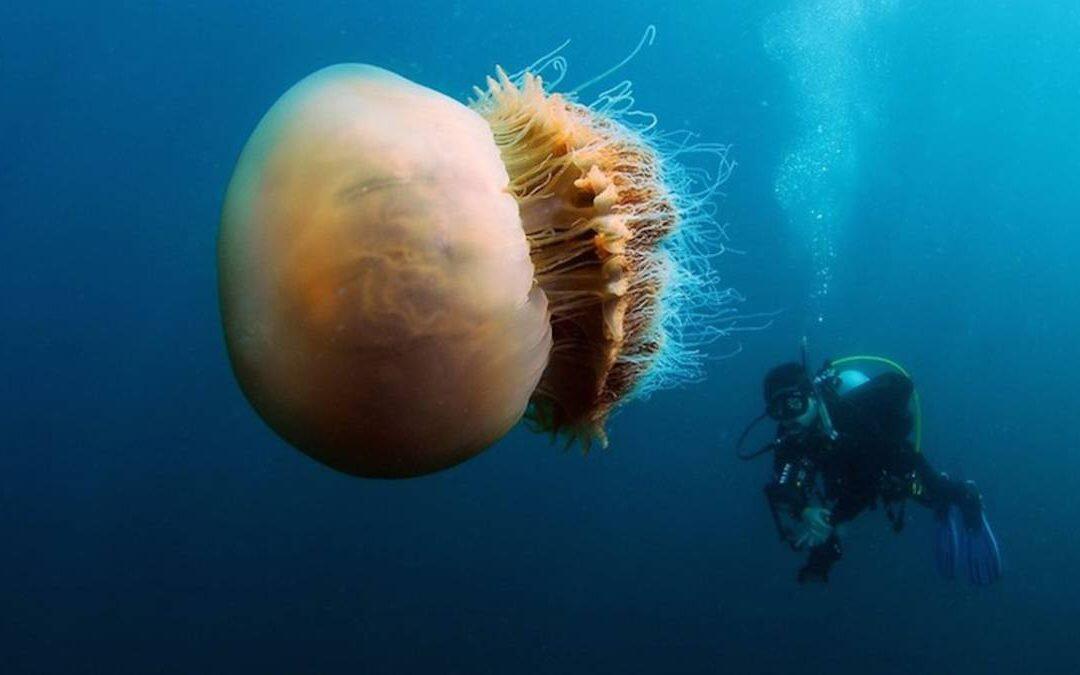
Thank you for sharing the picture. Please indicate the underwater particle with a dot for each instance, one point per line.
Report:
(403, 278)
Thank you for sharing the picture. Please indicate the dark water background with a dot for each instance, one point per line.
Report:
(150, 523)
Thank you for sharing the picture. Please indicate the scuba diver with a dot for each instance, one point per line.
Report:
(842, 446)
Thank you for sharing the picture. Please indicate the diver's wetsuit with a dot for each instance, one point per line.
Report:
(870, 460)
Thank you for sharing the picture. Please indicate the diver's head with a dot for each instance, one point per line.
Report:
(789, 396)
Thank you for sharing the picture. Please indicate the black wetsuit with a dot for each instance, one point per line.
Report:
(870, 461)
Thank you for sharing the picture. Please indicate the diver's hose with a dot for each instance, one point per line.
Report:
(747, 456)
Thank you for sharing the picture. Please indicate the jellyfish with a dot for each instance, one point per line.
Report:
(403, 277)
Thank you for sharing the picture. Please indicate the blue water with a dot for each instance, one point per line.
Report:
(151, 523)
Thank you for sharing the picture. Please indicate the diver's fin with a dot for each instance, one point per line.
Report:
(983, 554)
(947, 542)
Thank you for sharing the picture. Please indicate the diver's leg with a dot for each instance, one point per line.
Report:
(939, 492)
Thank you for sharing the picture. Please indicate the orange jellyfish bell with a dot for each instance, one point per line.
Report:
(376, 289)
(403, 278)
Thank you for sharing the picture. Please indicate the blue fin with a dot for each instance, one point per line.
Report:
(947, 543)
(982, 553)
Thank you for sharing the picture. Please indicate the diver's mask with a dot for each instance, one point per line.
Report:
(794, 399)
(790, 404)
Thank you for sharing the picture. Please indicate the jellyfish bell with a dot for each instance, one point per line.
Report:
(403, 278)
(376, 289)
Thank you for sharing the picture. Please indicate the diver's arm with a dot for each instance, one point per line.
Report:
(785, 493)
(792, 480)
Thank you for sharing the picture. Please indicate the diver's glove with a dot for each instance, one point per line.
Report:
(814, 527)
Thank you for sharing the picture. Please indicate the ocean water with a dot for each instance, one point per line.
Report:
(907, 185)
